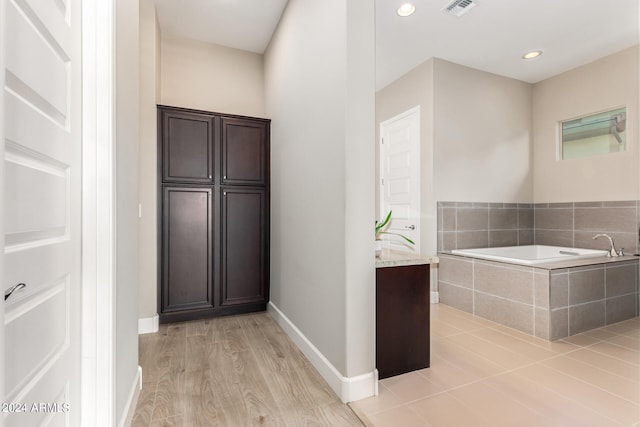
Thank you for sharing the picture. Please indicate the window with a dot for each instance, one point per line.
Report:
(594, 135)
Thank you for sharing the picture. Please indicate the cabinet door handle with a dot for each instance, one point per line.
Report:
(12, 289)
(410, 227)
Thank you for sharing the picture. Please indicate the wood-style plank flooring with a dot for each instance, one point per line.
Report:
(232, 371)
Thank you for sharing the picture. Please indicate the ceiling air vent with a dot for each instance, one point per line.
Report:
(459, 7)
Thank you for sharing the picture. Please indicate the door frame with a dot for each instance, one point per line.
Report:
(98, 400)
(97, 403)
(3, 18)
(413, 110)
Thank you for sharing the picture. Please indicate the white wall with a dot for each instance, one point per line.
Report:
(148, 169)
(482, 136)
(607, 83)
(319, 74)
(126, 193)
(210, 77)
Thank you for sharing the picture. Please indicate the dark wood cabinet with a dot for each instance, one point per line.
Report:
(244, 250)
(187, 147)
(214, 187)
(402, 319)
(187, 267)
(244, 156)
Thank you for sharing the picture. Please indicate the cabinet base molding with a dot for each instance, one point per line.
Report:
(349, 389)
(205, 313)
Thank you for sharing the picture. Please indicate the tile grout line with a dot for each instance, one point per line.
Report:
(572, 348)
(541, 361)
(591, 384)
(568, 397)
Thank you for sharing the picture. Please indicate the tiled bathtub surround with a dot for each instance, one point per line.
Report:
(463, 225)
(549, 304)
(574, 224)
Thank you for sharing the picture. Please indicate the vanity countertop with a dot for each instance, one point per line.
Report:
(390, 258)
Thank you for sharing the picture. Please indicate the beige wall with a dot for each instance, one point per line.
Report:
(321, 100)
(209, 77)
(149, 84)
(414, 89)
(475, 136)
(607, 83)
(190, 74)
(482, 136)
(493, 138)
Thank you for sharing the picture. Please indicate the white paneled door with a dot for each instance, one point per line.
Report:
(41, 203)
(400, 178)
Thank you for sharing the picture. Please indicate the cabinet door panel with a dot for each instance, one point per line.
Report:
(244, 151)
(186, 248)
(244, 246)
(187, 147)
(402, 319)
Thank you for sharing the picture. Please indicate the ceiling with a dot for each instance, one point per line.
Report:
(240, 24)
(491, 37)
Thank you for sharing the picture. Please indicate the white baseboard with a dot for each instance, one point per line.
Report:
(435, 297)
(148, 325)
(349, 389)
(132, 401)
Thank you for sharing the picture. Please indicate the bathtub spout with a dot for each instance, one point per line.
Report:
(612, 250)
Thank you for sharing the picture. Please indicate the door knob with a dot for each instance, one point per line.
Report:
(410, 227)
(12, 289)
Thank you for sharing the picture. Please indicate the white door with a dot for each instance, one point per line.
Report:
(41, 206)
(400, 178)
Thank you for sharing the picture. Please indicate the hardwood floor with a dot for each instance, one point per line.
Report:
(232, 371)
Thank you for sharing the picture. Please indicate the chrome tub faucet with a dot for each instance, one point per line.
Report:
(612, 250)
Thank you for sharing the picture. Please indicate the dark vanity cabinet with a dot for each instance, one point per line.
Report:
(402, 319)
(214, 214)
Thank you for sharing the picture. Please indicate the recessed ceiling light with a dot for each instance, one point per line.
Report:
(532, 54)
(406, 9)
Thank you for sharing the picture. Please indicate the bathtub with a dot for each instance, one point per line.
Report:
(529, 255)
(547, 291)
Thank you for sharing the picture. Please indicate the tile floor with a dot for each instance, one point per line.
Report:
(485, 374)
